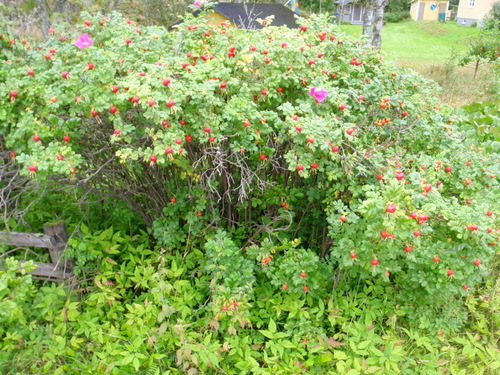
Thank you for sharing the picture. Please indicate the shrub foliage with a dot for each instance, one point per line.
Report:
(216, 138)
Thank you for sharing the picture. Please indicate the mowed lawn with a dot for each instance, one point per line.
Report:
(421, 41)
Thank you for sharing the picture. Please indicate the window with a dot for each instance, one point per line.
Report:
(348, 8)
(472, 3)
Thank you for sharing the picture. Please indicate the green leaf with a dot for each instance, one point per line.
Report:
(272, 326)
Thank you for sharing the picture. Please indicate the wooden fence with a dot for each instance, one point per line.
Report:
(54, 239)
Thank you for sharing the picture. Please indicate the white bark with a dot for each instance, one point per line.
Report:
(378, 22)
(368, 22)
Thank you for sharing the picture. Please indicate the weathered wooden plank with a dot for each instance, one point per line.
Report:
(48, 270)
(59, 234)
(27, 239)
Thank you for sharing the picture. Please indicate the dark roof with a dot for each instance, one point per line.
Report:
(245, 15)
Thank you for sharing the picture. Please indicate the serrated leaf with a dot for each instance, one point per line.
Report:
(267, 333)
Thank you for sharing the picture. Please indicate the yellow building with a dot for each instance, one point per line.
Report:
(470, 11)
(429, 10)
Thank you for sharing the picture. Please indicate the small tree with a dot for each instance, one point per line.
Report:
(486, 48)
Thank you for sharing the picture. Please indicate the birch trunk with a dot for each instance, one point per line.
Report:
(378, 22)
(367, 22)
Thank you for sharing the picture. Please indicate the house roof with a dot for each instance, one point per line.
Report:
(245, 15)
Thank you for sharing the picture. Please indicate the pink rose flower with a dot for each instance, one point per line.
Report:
(319, 94)
(84, 41)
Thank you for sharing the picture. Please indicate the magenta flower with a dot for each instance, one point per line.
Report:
(84, 41)
(319, 94)
(199, 3)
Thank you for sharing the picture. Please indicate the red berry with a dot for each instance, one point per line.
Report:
(380, 177)
(66, 138)
(300, 167)
(33, 168)
(314, 165)
(211, 139)
(489, 213)
(306, 288)
(407, 249)
(417, 233)
(374, 262)
(113, 109)
(448, 169)
(168, 150)
(36, 138)
(188, 138)
(303, 274)
(353, 255)
(391, 208)
(153, 158)
(207, 129)
(477, 262)
(128, 41)
(263, 92)
(350, 131)
(450, 272)
(343, 218)
(263, 157)
(173, 200)
(400, 176)
(284, 286)
(166, 82)
(436, 259)
(170, 103)
(428, 187)
(117, 132)
(31, 72)
(151, 102)
(225, 308)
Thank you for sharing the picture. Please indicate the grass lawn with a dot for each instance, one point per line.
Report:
(427, 47)
(425, 41)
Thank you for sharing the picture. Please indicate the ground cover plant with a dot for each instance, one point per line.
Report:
(299, 205)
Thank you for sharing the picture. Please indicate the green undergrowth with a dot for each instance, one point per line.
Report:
(220, 310)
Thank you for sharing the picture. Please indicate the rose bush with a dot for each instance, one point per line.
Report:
(272, 134)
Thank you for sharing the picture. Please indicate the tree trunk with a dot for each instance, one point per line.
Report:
(45, 20)
(478, 61)
(367, 22)
(378, 22)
